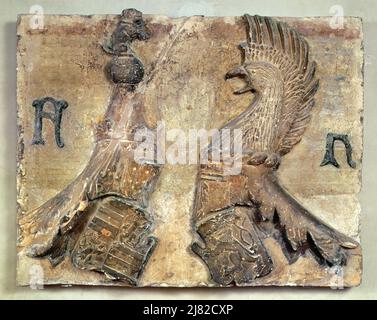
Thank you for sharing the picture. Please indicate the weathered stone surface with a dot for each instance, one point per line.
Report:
(186, 60)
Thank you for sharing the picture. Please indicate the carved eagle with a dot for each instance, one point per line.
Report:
(231, 211)
(277, 68)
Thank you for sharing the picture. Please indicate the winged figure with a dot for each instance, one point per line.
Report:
(101, 221)
(230, 211)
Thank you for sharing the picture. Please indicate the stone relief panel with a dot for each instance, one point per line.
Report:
(189, 152)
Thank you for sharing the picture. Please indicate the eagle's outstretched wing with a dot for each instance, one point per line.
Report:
(274, 42)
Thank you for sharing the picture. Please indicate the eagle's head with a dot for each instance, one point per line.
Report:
(259, 76)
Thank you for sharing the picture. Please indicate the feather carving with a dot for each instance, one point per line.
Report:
(278, 68)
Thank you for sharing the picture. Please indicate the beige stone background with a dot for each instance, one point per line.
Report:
(171, 8)
(66, 61)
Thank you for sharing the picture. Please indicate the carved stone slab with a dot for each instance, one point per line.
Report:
(90, 213)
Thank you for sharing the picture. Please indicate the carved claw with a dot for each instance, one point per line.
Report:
(299, 225)
(257, 158)
(270, 160)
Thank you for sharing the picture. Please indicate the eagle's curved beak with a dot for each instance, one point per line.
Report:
(238, 71)
(241, 72)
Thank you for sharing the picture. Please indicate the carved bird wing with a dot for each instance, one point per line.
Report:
(283, 55)
(274, 42)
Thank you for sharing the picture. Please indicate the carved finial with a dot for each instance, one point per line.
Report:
(125, 68)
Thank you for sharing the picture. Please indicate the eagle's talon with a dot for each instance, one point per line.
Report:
(257, 158)
(272, 161)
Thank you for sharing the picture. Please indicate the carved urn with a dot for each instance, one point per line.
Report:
(126, 69)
